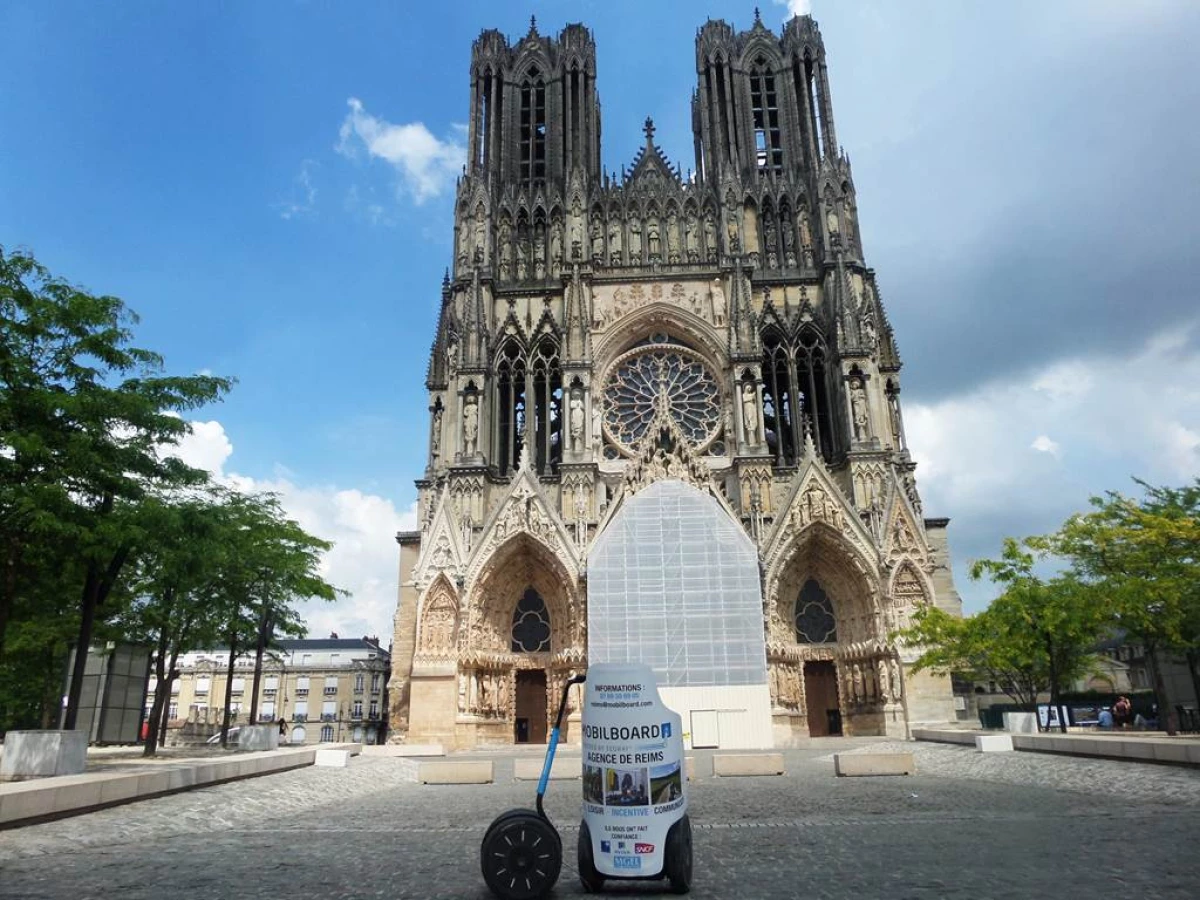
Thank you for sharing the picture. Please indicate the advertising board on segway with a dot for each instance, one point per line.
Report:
(634, 791)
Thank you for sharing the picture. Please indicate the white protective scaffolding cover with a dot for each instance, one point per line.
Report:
(673, 583)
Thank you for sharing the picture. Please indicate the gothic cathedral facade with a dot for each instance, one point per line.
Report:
(601, 331)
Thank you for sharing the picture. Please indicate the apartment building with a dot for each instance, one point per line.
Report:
(326, 689)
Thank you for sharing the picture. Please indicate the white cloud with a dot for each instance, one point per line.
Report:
(1043, 444)
(303, 199)
(362, 527)
(426, 165)
(1121, 416)
(796, 7)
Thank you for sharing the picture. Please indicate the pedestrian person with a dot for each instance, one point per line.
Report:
(1106, 719)
(1122, 712)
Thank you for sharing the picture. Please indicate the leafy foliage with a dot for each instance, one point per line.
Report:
(103, 532)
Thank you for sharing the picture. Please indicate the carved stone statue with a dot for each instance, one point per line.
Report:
(858, 408)
(652, 240)
(691, 241)
(870, 335)
(505, 239)
(435, 445)
(576, 420)
(805, 231)
(718, 302)
(635, 240)
(672, 237)
(614, 242)
(471, 424)
(556, 249)
(710, 235)
(885, 681)
(480, 234)
(597, 426)
(750, 413)
(597, 240)
(831, 219)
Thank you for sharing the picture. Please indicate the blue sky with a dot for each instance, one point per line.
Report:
(269, 185)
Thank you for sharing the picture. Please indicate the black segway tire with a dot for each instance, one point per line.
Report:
(678, 856)
(521, 856)
(589, 877)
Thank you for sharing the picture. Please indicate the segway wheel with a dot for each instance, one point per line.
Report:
(521, 856)
(678, 862)
(589, 877)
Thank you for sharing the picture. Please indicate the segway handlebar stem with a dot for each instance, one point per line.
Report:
(562, 708)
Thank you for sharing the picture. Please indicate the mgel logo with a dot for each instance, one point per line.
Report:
(666, 729)
(643, 848)
(605, 847)
(627, 862)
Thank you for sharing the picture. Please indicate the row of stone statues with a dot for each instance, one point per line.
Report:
(868, 682)
(484, 693)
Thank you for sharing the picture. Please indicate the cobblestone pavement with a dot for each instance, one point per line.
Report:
(1014, 825)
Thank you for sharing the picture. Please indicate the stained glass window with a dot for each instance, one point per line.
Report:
(531, 624)
(814, 615)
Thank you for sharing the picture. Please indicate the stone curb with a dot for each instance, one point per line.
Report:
(28, 802)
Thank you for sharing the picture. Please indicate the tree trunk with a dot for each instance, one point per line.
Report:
(83, 643)
(264, 626)
(228, 687)
(1166, 712)
(9, 594)
(157, 712)
(1193, 662)
(161, 693)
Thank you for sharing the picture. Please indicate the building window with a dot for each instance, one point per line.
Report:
(374, 709)
(267, 712)
(329, 711)
(533, 127)
(326, 733)
(202, 685)
(239, 685)
(768, 148)
(302, 686)
(531, 624)
(331, 685)
(375, 679)
(173, 711)
(358, 683)
(300, 713)
(815, 623)
(357, 710)
(298, 734)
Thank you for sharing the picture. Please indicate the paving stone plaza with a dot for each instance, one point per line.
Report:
(967, 825)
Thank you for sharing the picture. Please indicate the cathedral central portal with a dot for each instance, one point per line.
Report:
(618, 357)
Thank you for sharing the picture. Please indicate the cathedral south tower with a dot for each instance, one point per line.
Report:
(624, 363)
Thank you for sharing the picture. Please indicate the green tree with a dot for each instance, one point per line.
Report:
(1054, 622)
(981, 647)
(1037, 635)
(84, 418)
(1143, 556)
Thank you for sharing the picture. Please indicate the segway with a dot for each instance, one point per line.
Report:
(521, 853)
(635, 822)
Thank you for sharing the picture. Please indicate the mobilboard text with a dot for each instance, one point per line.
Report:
(621, 732)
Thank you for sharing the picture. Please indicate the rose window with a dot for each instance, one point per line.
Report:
(666, 375)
